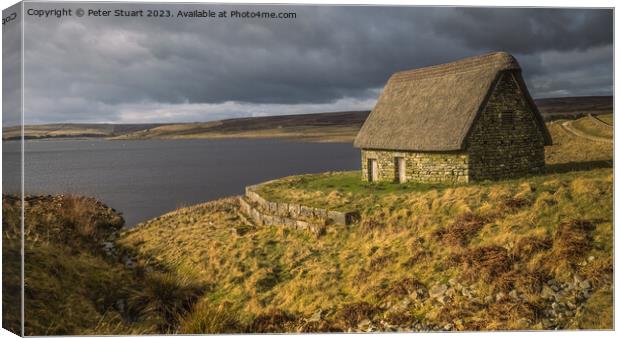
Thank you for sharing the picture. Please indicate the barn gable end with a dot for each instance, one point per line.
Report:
(505, 140)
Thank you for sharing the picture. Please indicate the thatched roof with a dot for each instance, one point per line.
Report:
(433, 108)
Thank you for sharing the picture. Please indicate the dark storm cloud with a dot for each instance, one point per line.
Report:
(528, 30)
(95, 69)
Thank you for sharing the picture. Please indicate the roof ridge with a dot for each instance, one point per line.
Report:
(496, 60)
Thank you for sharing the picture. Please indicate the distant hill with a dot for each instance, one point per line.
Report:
(73, 130)
(334, 126)
(561, 107)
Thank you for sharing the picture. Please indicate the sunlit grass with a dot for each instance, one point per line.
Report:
(408, 231)
(493, 236)
(590, 127)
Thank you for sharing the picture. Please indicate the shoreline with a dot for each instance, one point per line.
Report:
(313, 139)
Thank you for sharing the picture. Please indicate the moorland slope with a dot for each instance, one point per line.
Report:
(527, 253)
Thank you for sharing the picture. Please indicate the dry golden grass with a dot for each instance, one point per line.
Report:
(590, 127)
(72, 287)
(68, 288)
(460, 232)
(607, 118)
(207, 319)
(495, 236)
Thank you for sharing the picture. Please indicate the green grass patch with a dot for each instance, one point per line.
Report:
(344, 182)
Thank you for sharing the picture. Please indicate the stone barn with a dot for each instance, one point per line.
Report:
(463, 121)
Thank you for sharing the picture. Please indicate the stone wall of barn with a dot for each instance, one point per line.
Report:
(509, 146)
(426, 167)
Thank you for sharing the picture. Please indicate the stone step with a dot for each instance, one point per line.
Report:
(244, 219)
(259, 218)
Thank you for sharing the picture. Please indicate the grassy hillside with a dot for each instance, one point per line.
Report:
(571, 107)
(528, 253)
(72, 130)
(338, 126)
(593, 127)
(77, 281)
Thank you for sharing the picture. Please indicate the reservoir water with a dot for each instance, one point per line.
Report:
(146, 178)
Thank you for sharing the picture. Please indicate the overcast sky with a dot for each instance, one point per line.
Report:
(327, 59)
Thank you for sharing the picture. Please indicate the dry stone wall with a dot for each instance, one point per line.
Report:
(293, 215)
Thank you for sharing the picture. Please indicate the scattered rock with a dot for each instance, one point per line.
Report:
(364, 324)
(577, 279)
(547, 293)
(316, 316)
(513, 294)
(499, 296)
(466, 292)
(524, 322)
(585, 284)
(438, 290)
(444, 299)
(547, 323)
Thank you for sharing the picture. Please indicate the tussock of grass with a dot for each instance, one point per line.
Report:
(513, 312)
(485, 263)
(401, 288)
(527, 246)
(205, 318)
(460, 232)
(349, 314)
(530, 283)
(165, 296)
(273, 321)
(573, 239)
(598, 312)
(600, 272)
